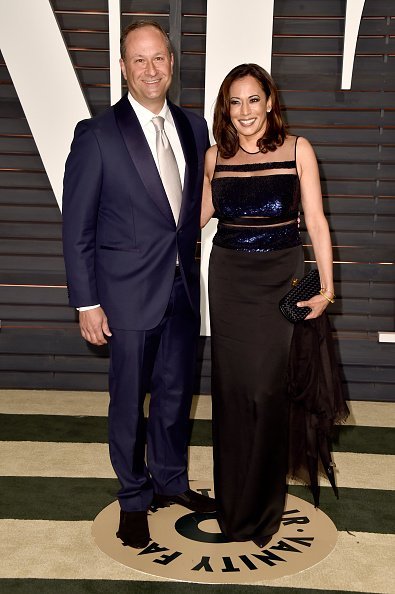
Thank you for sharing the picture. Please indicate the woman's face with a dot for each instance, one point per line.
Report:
(248, 107)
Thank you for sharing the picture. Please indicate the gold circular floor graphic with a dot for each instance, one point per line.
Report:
(188, 546)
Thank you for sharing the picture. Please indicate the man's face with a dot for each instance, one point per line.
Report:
(147, 67)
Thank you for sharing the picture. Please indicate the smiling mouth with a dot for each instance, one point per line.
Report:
(152, 82)
(248, 122)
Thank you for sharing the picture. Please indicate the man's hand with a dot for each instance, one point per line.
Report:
(94, 326)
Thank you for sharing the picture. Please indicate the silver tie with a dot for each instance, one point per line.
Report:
(168, 167)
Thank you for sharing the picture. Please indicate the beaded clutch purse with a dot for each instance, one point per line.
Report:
(307, 287)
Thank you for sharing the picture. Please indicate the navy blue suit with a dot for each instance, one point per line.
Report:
(120, 248)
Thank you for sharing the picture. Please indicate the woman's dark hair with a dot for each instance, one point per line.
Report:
(225, 133)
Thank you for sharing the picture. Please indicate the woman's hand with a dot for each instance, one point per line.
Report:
(317, 304)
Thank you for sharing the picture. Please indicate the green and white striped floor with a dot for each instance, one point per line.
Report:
(55, 476)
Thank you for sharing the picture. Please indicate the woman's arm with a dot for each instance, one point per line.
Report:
(317, 225)
(207, 201)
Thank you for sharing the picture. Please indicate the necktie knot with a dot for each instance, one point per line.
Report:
(159, 123)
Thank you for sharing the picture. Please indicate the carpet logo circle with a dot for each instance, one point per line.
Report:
(189, 546)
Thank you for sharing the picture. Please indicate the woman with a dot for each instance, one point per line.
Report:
(255, 178)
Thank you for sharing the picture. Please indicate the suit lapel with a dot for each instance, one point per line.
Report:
(188, 144)
(141, 155)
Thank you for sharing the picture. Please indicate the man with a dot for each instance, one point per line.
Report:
(131, 220)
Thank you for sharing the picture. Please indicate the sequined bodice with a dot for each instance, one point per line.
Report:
(257, 202)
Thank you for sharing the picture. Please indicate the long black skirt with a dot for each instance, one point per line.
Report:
(250, 347)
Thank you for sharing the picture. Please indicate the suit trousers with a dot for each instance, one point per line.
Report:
(160, 361)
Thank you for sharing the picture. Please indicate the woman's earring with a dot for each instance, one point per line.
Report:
(269, 110)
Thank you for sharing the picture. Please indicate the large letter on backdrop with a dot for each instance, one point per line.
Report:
(114, 27)
(44, 79)
(353, 18)
(234, 35)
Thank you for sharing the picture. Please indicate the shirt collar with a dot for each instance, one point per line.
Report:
(145, 116)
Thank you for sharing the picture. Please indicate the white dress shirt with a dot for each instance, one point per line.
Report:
(144, 117)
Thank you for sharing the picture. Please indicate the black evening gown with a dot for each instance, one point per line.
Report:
(257, 252)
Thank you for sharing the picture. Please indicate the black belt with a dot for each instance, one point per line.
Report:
(258, 221)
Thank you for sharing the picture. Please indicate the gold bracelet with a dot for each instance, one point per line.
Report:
(331, 300)
(328, 291)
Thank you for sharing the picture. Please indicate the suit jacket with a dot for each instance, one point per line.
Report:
(120, 239)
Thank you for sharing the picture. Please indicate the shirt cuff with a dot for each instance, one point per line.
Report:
(88, 307)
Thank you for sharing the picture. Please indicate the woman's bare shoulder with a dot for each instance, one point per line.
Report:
(304, 150)
(211, 158)
(302, 142)
(211, 153)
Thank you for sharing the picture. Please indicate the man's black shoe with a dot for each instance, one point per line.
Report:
(133, 529)
(190, 499)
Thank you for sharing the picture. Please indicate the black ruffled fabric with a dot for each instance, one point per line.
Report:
(316, 402)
